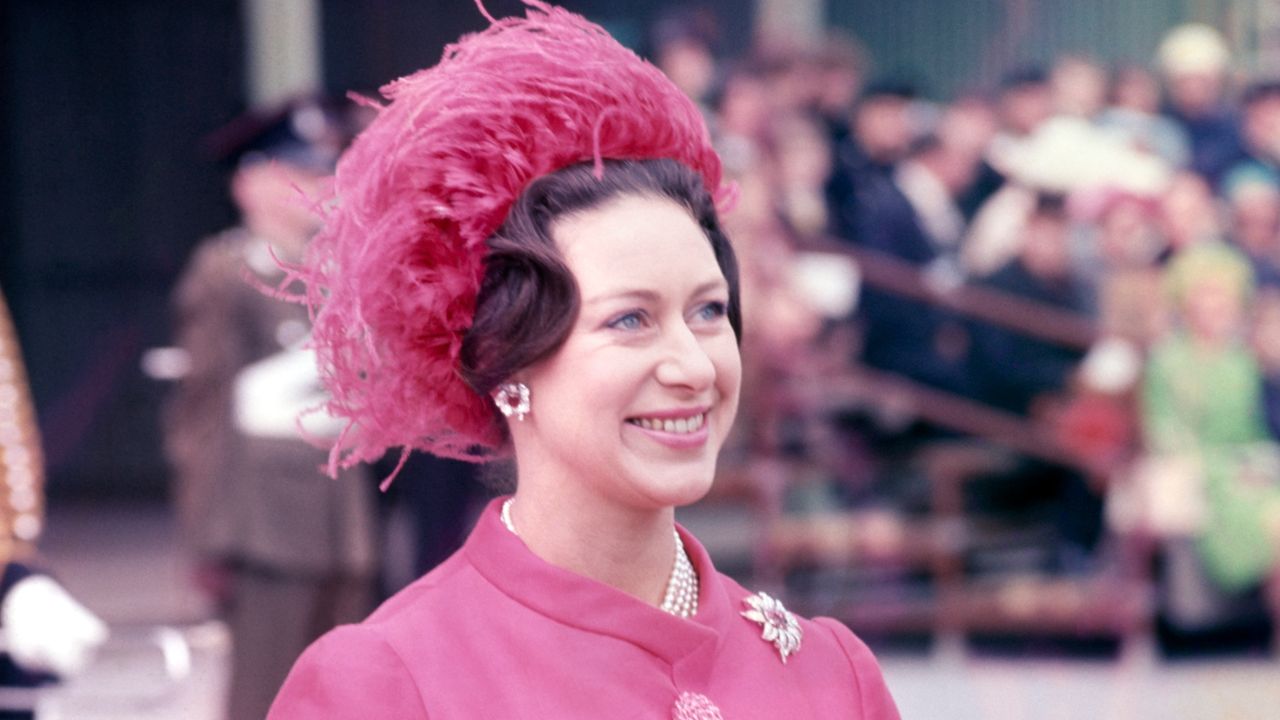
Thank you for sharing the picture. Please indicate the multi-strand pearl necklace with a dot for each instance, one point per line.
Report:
(681, 598)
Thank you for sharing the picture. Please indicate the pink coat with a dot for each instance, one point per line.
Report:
(496, 632)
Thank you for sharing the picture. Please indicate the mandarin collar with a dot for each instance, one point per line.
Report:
(581, 602)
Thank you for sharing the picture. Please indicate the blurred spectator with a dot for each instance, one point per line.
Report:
(881, 130)
(913, 217)
(931, 179)
(780, 182)
(1260, 158)
(1252, 194)
(883, 126)
(1195, 61)
(779, 325)
(1078, 86)
(969, 125)
(1125, 275)
(840, 69)
(1189, 214)
(1261, 125)
(684, 42)
(1021, 160)
(1013, 371)
(1098, 424)
(1023, 103)
(1202, 408)
(1134, 116)
(286, 552)
(802, 152)
(1031, 377)
(743, 114)
(1265, 340)
(782, 321)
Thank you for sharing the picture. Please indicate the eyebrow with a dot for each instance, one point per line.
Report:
(649, 295)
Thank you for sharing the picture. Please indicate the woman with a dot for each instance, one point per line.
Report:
(1212, 480)
(528, 230)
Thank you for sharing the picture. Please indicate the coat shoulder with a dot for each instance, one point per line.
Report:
(351, 672)
(873, 692)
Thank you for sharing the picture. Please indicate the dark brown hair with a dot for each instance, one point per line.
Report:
(528, 300)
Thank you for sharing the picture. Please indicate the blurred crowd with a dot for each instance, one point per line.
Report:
(1091, 250)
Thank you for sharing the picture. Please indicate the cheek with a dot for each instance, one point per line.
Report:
(587, 394)
(728, 363)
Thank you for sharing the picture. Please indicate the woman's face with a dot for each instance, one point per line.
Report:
(1188, 213)
(1213, 309)
(635, 405)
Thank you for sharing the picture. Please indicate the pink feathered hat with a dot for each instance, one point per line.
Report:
(393, 276)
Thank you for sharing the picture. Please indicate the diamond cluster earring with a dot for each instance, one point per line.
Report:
(512, 399)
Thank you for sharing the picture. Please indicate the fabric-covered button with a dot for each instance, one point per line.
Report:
(695, 706)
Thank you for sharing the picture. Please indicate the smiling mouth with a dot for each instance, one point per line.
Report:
(675, 426)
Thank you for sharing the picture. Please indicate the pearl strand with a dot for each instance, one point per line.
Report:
(682, 589)
(681, 598)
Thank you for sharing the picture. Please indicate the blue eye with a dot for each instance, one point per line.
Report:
(713, 310)
(628, 321)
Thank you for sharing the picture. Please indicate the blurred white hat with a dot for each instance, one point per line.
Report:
(1068, 154)
(1194, 48)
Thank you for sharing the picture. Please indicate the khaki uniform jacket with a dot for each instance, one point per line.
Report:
(259, 500)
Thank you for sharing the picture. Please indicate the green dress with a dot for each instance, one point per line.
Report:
(1209, 402)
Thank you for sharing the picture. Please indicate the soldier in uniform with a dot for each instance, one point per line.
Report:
(286, 552)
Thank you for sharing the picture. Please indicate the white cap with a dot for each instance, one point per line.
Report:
(1194, 48)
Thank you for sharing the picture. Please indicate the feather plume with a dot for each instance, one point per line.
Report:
(392, 278)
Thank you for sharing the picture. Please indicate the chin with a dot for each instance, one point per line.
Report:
(667, 486)
(693, 492)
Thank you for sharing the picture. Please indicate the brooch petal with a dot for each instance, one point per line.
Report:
(780, 626)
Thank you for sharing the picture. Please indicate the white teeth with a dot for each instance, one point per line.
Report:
(681, 426)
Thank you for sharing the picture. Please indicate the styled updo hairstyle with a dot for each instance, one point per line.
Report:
(528, 300)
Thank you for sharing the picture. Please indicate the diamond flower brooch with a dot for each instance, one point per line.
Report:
(780, 626)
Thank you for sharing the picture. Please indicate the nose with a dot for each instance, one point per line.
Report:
(685, 362)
